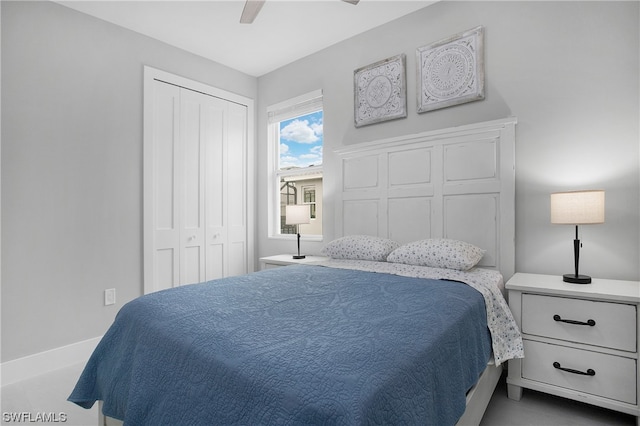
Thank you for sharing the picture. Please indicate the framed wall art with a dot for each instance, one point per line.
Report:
(380, 91)
(451, 71)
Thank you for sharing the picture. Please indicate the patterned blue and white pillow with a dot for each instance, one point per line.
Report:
(360, 247)
(438, 253)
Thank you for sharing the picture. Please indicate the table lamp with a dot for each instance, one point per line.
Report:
(577, 208)
(298, 214)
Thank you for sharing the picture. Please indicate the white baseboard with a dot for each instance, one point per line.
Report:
(44, 362)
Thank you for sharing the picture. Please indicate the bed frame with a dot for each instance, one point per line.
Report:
(453, 183)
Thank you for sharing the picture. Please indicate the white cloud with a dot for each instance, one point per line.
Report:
(300, 131)
(289, 161)
(309, 156)
(317, 128)
(317, 150)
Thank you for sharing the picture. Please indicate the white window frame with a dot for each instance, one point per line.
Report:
(303, 200)
(295, 107)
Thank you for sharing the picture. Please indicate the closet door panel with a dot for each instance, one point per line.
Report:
(192, 265)
(215, 180)
(236, 161)
(165, 268)
(215, 261)
(192, 161)
(237, 255)
(237, 189)
(192, 122)
(165, 182)
(214, 132)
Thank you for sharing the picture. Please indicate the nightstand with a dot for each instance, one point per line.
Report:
(580, 341)
(287, 259)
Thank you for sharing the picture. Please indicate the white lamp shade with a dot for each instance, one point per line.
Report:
(297, 214)
(577, 207)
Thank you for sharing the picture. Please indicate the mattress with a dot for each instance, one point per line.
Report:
(296, 345)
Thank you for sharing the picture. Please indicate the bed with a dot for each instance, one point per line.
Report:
(385, 332)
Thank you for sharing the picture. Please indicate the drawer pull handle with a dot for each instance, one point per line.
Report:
(590, 322)
(589, 372)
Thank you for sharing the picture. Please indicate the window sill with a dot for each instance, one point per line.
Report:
(293, 237)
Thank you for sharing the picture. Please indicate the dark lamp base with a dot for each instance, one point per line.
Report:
(299, 256)
(576, 279)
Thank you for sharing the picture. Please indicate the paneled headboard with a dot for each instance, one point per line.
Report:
(454, 183)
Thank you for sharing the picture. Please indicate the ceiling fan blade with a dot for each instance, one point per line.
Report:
(351, 1)
(250, 11)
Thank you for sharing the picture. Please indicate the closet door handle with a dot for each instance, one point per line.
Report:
(589, 371)
(590, 322)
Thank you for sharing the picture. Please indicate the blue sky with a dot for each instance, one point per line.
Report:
(301, 141)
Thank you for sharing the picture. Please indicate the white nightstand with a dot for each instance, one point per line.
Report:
(287, 259)
(580, 340)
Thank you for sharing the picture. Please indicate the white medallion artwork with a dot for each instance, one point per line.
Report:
(451, 71)
(380, 91)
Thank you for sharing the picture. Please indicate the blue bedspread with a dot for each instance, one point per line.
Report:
(295, 345)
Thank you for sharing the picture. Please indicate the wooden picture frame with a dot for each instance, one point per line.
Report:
(451, 71)
(380, 91)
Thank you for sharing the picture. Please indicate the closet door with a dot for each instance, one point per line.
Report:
(162, 191)
(216, 182)
(195, 135)
(197, 189)
(226, 189)
(237, 190)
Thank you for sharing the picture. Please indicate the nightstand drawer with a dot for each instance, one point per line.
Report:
(613, 324)
(614, 378)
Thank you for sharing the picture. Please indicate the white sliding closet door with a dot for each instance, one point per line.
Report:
(196, 132)
(216, 201)
(237, 199)
(195, 188)
(162, 189)
(226, 210)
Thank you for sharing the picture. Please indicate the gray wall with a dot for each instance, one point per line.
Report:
(567, 70)
(72, 168)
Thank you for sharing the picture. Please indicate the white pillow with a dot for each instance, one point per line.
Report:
(360, 247)
(438, 253)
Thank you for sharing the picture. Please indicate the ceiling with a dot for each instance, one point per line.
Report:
(284, 31)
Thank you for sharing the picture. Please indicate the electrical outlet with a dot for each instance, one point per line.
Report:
(110, 296)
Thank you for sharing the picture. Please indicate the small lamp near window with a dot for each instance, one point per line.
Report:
(298, 214)
(577, 208)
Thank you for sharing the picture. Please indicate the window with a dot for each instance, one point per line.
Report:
(309, 195)
(295, 158)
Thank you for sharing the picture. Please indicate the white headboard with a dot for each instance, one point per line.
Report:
(454, 183)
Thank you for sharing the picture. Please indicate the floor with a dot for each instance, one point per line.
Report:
(540, 409)
(47, 394)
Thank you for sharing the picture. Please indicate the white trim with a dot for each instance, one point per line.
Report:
(431, 135)
(45, 362)
(151, 74)
(293, 237)
(300, 105)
